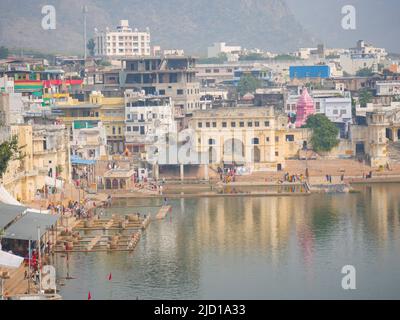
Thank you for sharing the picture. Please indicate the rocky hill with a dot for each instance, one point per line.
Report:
(189, 24)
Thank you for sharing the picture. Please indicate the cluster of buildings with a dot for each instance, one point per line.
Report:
(169, 116)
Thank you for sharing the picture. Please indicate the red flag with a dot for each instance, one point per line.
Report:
(89, 296)
(110, 277)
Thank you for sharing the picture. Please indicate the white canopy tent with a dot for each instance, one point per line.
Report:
(9, 261)
(7, 198)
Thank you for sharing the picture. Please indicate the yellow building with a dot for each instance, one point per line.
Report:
(253, 137)
(108, 110)
(45, 150)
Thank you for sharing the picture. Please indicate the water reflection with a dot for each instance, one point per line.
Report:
(254, 248)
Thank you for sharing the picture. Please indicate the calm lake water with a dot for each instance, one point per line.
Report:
(252, 248)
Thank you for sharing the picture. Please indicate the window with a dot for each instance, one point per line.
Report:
(266, 123)
(233, 124)
(161, 92)
(223, 124)
(276, 139)
(277, 154)
(256, 124)
(179, 92)
(290, 138)
(241, 124)
(214, 124)
(335, 112)
(129, 129)
(250, 124)
(267, 139)
(211, 142)
(113, 130)
(207, 124)
(255, 141)
(200, 125)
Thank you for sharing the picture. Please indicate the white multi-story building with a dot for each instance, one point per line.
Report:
(221, 48)
(388, 88)
(365, 48)
(124, 42)
(89, 143)
(148, 120)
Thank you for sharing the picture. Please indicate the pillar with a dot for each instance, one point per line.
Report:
(182, 172)
(206, 176)
(156, 171)
(395, 134)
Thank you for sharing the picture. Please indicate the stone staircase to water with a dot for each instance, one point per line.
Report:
(394, 152)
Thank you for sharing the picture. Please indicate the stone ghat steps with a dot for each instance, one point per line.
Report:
(394, 152)
(17, 284)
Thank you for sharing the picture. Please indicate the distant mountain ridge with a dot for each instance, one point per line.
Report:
(189, 24)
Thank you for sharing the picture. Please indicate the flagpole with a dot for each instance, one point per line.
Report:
(40, 263)
(29, 266)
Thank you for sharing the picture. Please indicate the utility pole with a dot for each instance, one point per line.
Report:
(85, 11)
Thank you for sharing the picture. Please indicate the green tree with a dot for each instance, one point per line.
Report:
(285, 57)
(4, 52)
(248, 83)
(9, 150)
(91, 45)
(365, 72)
(222, 58)
(364, 96)
(253, 57)
(325, 133)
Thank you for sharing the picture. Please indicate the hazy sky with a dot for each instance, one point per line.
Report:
(378, 21)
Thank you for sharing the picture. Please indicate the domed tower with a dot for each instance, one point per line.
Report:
(305, 108)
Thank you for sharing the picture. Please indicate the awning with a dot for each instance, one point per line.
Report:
(7, 198)
(8, 213)
(26, 228)
(78, 161)
(10, 261)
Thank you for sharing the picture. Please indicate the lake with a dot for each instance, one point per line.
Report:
(251, 248)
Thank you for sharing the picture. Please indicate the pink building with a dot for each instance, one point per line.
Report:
(305, 108)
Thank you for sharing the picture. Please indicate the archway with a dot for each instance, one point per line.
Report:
(122, 184)
(234, 150)
(256, 155)
(212, 155)
(108, 184)
(389, 134)
(115, 184)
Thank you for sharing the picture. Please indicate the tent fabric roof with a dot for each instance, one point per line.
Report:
(8, 213)
(10, 261)
(26, 228)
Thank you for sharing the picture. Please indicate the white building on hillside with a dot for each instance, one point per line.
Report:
(221, 48)
(124, 42)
